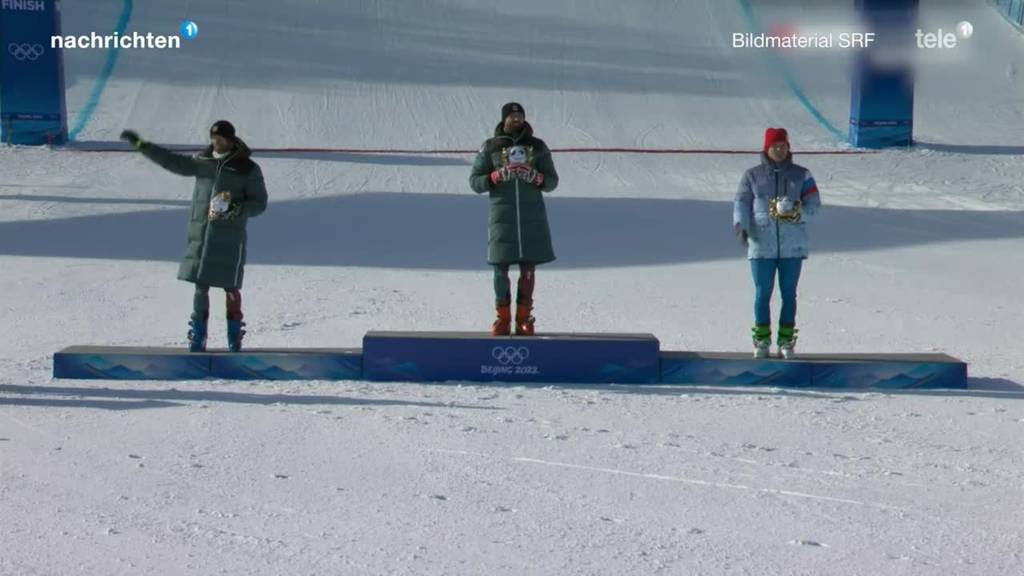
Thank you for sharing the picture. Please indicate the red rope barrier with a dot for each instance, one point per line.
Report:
(460, 151)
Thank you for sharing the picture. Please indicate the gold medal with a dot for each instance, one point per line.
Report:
(220, 205)
(780, 213)
(517, 155)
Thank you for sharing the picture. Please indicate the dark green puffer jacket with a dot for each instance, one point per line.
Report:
(215, 255)
(518, 224)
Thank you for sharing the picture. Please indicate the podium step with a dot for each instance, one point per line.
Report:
(137, 363)
(836, 371)
(480, 357)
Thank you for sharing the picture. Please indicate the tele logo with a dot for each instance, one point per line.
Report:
(943, 40)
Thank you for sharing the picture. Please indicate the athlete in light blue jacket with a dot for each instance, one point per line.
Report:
(774, 202)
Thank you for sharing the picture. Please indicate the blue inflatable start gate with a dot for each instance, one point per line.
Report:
(32, 109)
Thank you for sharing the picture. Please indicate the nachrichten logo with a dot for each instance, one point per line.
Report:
(127, 41)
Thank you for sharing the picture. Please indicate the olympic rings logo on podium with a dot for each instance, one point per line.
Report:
(24, 51)
(514, 355)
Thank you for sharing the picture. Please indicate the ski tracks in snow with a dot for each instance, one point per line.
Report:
(668, 478)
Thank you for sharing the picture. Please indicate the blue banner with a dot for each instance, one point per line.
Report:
(135, 363)
(833, 371)
(882, 88)
(32, 108)
(477, 357)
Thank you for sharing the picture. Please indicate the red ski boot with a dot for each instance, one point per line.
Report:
(524, 321)
(503, 324)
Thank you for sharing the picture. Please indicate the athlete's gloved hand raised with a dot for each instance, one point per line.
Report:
(131, 137)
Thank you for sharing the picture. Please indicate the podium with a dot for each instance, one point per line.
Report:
(548, 358)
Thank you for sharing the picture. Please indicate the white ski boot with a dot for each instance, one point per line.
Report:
(762, 349)
(787, 342)
(762, 336)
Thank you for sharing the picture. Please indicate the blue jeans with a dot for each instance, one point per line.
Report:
(764, 271)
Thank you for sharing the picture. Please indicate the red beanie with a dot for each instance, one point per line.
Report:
(773, 135)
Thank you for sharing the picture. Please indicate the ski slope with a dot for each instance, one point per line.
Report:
(918, 250)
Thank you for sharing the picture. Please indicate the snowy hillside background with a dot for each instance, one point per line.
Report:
(917, 251)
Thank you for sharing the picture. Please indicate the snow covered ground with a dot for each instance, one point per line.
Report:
(349, 478)
(918, 251)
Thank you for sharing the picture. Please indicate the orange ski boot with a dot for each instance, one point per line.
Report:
(524, 321)
(503, 324)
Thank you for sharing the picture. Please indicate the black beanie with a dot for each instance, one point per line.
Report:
(223, 128)
(510, 108)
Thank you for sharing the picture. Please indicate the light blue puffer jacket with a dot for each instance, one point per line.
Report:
(768, 237)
